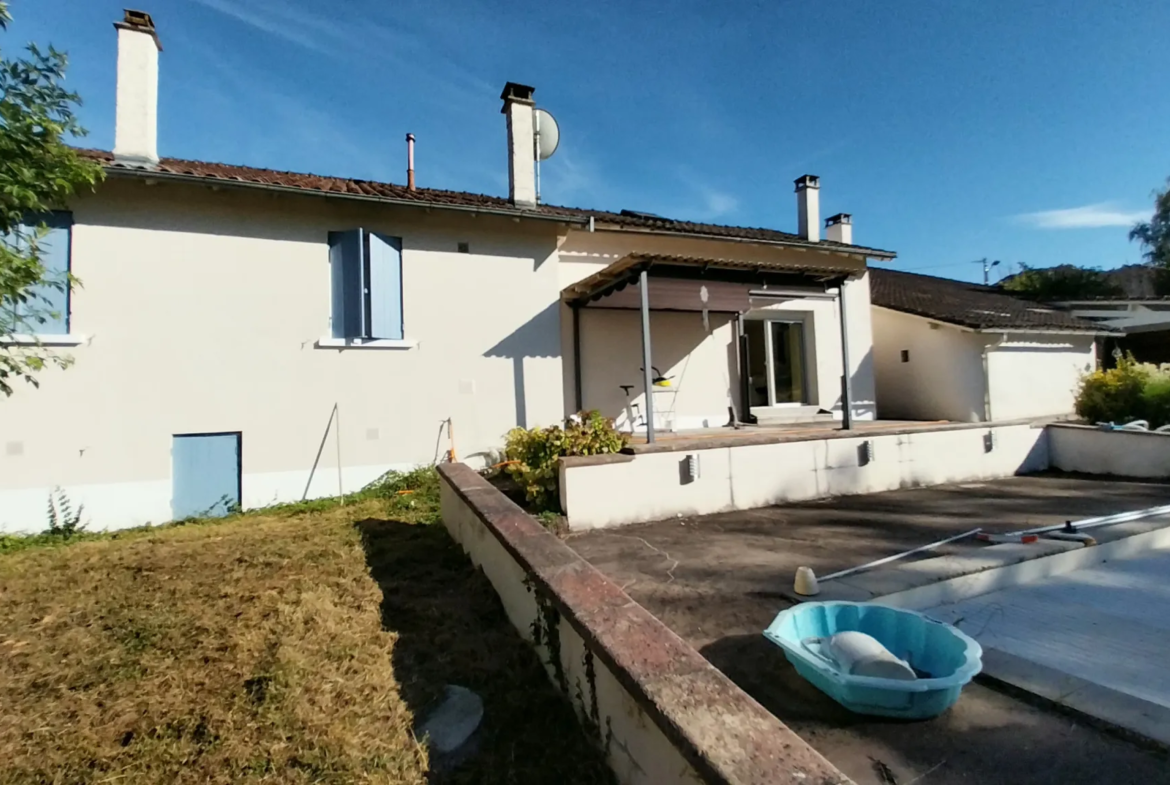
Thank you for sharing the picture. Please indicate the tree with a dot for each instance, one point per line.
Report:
(1065, 282)
(1154, 235)
(39, 171)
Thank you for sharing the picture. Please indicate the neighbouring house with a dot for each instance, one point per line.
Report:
(1142, 312)
(1145, 322)
(247, 336)
(950, 350)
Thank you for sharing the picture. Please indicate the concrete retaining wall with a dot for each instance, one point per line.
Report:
(617, 490)
(662, 713)
(1083, 448)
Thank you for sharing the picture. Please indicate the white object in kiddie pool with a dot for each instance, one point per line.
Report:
(859, 654)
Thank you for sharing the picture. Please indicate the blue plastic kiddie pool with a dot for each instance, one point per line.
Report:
(943, 657)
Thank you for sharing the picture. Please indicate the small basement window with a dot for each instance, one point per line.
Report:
(464, 248)
(905, 355)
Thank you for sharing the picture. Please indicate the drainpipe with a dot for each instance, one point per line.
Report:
(648, 376)
(987, 413)
(846, 376)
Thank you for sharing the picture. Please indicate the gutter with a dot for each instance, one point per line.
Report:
(191, 179)
(1000, 330)
(861, 251)
(1016, 331)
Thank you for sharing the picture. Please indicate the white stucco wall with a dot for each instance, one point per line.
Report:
(1079, 448)
(202, 310)
(702, 365)
(943, 379)
(1037, 375)
(946, 378)
(652, 487)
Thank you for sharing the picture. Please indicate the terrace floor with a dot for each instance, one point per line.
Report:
(725, 436)
(717, 581)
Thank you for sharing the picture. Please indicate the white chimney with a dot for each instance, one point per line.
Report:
(518, 106)
(808, 207)
(839, 228)
(136, 129)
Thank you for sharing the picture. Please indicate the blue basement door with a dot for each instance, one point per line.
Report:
(205, 471)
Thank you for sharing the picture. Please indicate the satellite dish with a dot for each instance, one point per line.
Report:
(548, 134)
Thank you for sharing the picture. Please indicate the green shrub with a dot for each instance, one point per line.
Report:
(532, 454)
(1131, 391)
(1156, 400)
(1114, 395)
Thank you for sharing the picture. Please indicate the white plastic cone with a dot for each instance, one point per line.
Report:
(806, 582)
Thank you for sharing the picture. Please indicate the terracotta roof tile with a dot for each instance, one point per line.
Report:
(390, 191)
(968, 304)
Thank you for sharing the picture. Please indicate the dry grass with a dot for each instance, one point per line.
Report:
(261, 650)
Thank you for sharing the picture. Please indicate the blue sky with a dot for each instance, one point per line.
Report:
(1021, 130)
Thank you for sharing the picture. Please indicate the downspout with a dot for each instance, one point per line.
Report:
(986, 385)
(987, 412)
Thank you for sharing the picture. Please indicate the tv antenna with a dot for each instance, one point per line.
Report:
(546, 139)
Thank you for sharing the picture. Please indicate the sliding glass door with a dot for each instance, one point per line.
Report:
(776, 362)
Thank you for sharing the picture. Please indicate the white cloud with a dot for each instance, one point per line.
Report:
(282, 21)
(719, 203)
(443, 82)
(1091, 216)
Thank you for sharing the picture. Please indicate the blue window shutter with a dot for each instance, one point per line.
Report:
(385, 287)
(54, 251)
(205, 472)
(50, 300)
(347, 271)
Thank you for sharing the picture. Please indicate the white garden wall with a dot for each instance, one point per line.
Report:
(617, 490)
(1082, 448)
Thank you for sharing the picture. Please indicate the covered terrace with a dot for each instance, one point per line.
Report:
(767, 362)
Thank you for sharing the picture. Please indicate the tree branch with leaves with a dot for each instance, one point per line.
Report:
(1154, 236)
(39, 172)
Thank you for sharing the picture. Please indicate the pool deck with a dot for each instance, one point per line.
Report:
(719, 580)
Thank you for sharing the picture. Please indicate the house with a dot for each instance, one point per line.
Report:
(950, 350)
(1141, 310)
(247, 336)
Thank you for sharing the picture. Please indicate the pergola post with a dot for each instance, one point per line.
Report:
(648, 376)
(577, 397)
(846, 376)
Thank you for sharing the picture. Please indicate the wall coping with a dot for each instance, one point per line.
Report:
(1079, 427)
(725, 734)
(755, 438)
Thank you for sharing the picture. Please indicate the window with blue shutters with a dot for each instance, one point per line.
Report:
(44, 309)
(366, 269)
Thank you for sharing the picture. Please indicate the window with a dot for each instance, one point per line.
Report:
(367, 285)
(46, 308)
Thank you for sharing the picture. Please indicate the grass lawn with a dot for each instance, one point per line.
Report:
(290, 645)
